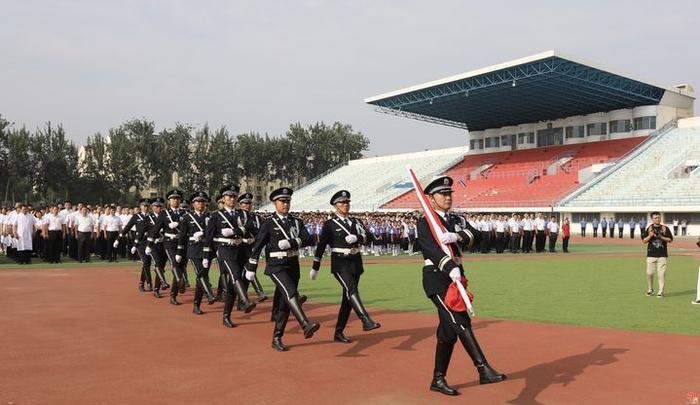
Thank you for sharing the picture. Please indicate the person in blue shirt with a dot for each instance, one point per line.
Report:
(595, 224)
(642, 224)
(620, 227)
(632, 226)
(583, 227)
(611, 227)
(604, 226)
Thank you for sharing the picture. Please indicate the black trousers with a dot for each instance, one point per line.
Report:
(514, 242)
(539, 241)
(349, 282)
(527, 241)
(178, 269)
(287, 284)
(203, 285)
(552, 241)
(632, 233)
(227, 257)
(24, 256)
(500, 242)
(145, 264)
(583, 231)
(565, 243)
(54, 246)
(159, 260)
(485, 241)
(452, 323)
(620, 231)
(605, 232)
(595, 232)
(675, 230)
(111, 252)
(84, 241)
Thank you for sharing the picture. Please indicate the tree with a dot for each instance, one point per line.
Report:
(19, 173)
(123, 165)
(94, 169)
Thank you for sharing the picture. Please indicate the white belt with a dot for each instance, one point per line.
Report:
(193, 239)
(170, 235)
(286, 253)
(227, 241)
(346, 251)
(457, 260)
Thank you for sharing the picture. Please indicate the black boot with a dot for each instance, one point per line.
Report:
(340, 337)
(280, 324)
(258, 289)
(149, 287)
(174, 300)
(244, 303)
(273, 315)
(367, 322)
(227, 321)
(156, 292)
(308, 326)
(141, 289)
(302, 299)
(487, 375)
(197, 310)
(443, 354)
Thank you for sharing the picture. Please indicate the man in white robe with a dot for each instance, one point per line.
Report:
(24, 231)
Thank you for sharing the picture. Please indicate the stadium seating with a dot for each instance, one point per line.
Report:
(653, 175)
(373, 181)
(524, 178)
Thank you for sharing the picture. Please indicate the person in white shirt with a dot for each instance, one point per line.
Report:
(553, 230)
(485, 229)
(84, 226)
(514, 233)
(54, 231)
(23, 230)
(500, 226)
(540, 233)
(527, 227)
(111, 225)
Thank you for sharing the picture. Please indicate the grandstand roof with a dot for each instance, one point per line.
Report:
(541, 87)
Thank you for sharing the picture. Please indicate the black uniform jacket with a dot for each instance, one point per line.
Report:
(273, 230)
(191, 223)
(438, 264)
(333, 234)
(138, 221)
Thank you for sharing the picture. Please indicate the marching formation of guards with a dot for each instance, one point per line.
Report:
(236, 237)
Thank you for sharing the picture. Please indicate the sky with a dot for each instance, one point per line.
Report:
(260, 66)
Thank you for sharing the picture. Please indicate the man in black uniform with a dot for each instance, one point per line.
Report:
(245, 202)
(282, 235)
(154, 244)
(139, 221)
(438, 273)
(224, 232)
(221, 286)
(170, 243)
(344, 235)
(192, 226)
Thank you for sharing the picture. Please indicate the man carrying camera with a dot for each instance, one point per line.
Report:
(657, 237)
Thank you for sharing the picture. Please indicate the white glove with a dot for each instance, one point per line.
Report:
(116, 244)
(148, 250)
(173, 225)
(227, 232)
(350, 239)
(449, 237)
(455, 275)
(133, 250)
(198, 235)
(312, 274)
(284, 244)
(249, 275)
(205, 263)
(178, 258)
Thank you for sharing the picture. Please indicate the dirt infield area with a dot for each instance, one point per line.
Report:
(86, 336)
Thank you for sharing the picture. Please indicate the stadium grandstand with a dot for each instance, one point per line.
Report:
(549, 132)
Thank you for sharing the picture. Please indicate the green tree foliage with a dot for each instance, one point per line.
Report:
(44, 165)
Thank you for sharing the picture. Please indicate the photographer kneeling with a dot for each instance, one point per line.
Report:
(657, 237)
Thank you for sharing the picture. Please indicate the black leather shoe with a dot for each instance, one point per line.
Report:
(219, 297)
(211, 300)
(368, 324)
(439, 384)
(141, 289)
(302, 299)
(310, 329)
(228, 323)
(156, 293)
(174, 301)
(278, 345)
(340, 337)
(149, 288)
(488, 375)
(262, 298)
(197, 310)
(165, 286)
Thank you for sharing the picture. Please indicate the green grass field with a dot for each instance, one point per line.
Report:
(591, 290)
